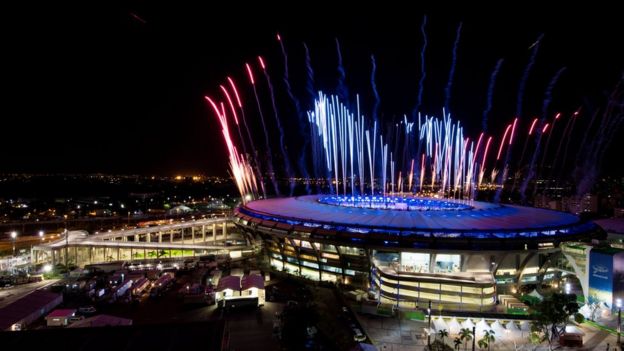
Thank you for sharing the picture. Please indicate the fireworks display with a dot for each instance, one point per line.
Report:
(355, 154)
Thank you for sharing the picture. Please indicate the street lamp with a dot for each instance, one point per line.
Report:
(618, 304)
(429, 327)
(13, 237)
(474, 337)
(41, 233)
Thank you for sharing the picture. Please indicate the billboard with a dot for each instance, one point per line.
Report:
(606, 276)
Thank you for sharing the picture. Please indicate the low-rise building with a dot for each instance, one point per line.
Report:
(60, 317)
(21, 313)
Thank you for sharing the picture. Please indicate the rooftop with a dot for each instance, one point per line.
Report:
(479, 216)
(25, 306)
(61, 313)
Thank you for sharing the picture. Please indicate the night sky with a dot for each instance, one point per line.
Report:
(118, 88)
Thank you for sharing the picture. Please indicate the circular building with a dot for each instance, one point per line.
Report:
(409, 251)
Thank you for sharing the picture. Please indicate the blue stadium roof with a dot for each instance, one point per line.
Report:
(478, 216)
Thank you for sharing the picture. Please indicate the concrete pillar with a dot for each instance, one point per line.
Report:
(171, 236)
(432, 260)
(193, 235)
(137, 238)
(118, 253)
(148, 237)
(182, 235)
(160, 237)
(203, 233)
(224, 230)
(214, 233)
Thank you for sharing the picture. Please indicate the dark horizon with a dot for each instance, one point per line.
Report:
(118, 89)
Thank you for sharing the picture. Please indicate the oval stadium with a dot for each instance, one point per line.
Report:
(409, 251)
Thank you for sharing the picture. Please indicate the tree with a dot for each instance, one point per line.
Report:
(457, 342)
(442, 334)
(465, 334)
(551, 316)
(489, 337)
(483, 343)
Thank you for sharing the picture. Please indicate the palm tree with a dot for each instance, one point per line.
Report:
(442, 334)
(489, 337)
(457, 342)
(465, 335)
(483, 343)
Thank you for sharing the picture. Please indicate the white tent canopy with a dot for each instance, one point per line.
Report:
(440, 324)
(511, 325)
(468, 324)
(482, 326)
(454, 326)
(499, 331)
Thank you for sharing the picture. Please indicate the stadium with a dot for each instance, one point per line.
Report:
(408, 251)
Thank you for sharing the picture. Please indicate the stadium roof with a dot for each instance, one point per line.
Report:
(481, 216)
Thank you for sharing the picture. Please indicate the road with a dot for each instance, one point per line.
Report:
(9, 295)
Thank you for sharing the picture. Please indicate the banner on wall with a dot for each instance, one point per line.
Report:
(606, 275)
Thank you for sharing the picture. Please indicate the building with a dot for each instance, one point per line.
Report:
(583, 204)
(60, 317)
(228, 287)
(253, 285)
(235, 290)
(409, 251)
(182, 239)
(21, 313)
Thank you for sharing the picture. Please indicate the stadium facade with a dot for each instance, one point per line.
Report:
(409, 251)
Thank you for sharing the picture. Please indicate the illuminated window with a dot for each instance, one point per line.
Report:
(447, 263)
(414, 262)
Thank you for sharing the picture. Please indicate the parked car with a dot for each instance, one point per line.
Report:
(76, 318)
(87, 310)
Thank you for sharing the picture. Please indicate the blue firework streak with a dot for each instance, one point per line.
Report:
(343, 92)
(309, 76)
(300, 121)
(423, 73)
(449, 84)
(490, 94)
(374, 86)
(287, 166)
(525, 75)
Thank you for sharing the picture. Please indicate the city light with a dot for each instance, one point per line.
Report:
(47, 268)
(568, 288)
(13, 234)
